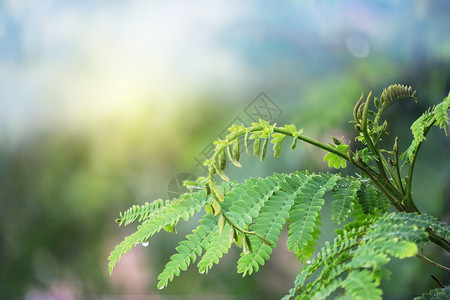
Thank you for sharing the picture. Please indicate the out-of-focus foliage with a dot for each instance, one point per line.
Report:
(102, 104)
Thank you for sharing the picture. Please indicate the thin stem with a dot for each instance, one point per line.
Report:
(243, 230)
(314, 143)
(395, 176)
(413, 162)
(234, 224)
(437, 280)
(397, 169)
(374, 151)
(433, 263)
(439, 240)
(375, 177)
(385, 164)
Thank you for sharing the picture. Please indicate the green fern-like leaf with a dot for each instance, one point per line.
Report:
(418, 131)
(417, 224)
(242, 202)
(257, 146)
(170, 214)
(360, 285)
(268, 224)
(438, 115)
(236, 153)
(441, 115)
(141, 213)
(362, 249)
(367, 196)
(270, 221)
(372, 201)
(394, 93)
(277, 140)
(418, 127)
(245, 202)
(188, 250)
(345, 196)
(436, 294)
(334, 160)
(218, 246)
(329, 258)
(305, 212)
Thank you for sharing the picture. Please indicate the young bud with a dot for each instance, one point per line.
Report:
(358, 158)
(222, 159)
(377, 103)
(356, 108)
(221, 223)
(391, 162)
(395, 148)
(336, 141)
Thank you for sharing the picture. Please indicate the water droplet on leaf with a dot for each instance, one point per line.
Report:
(163, 286)
(144, 244)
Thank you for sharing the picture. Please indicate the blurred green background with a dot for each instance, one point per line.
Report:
(103, 104)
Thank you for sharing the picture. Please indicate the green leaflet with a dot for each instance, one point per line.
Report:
(141, 213)
(395, 92)
(360, 285)
(334, 160)
(222, 160)
(356, 251)
(418, 224)
(436, 294)
(188, 250)
(268, 224)
(249, 199)
(437, 115)
(440, 113)
(245, 202)
(264, 149)
(218, 246)
(371, 200)
(305, 212)
(329, 258)
(277, 140)
(183, 207)
(257, 147)
(236, 153)
(345, 194)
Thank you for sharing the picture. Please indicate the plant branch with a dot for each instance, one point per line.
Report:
(235, 226)
(408, 191)
(397, 168)
(313, 142)
(376, 179)
(439, 240)
(433, 263)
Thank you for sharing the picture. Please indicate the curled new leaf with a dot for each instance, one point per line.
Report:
(233, 159)
(257, 147)
(277, 140)
(236, 151)
(394, 93)
(264, 149)
(221, 173)
(222, 160)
